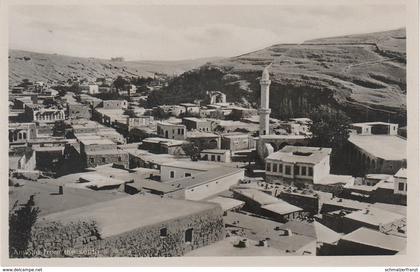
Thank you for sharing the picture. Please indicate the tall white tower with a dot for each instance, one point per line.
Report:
(264, 111)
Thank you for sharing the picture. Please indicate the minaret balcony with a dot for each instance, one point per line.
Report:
(264, 111)
(265, 82)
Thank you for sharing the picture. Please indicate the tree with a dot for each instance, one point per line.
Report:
(120, 83)
(21, 222)
(191, 150)
(330, 128)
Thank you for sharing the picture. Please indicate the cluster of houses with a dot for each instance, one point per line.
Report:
(211, 178)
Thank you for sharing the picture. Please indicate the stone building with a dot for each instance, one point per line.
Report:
(192, 123)
(171, 131)
(219, 155)
(20, 133)
(204, 140)
(377, 154)
(302, 164)
(44, 115)
(96, 151)
(237, 141)
(182, 169)
(147, 226)
(78, 111)
(115, 104)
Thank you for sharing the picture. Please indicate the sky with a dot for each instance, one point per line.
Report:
(186, 32)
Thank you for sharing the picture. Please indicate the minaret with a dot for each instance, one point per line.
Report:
(264, 110)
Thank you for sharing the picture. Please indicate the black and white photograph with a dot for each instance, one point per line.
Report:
(200, 130)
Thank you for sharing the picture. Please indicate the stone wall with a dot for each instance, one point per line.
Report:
(81, 239)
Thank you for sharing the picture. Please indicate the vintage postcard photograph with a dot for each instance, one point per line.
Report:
(148, 131)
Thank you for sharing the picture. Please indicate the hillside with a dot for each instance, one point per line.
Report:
(52, 67)
(364, 75)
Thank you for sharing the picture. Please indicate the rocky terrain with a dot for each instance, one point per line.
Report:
(52, 67)
(364, 75)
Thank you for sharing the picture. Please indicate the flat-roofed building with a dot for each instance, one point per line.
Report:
(208, 183)
(298, 164)
(163, 146)
(219, 155)
(373, 218)
(204, 140)
(237, 141)
(115, 104)
(99, 151)
(381, 154)
(375, 128)
(193, 123)
(171, 131)
(182, 169)
(365, 241)
(44, 115)
(78, 111)
(20, 133)
(146, 226)
(267, 144)
(267, 205)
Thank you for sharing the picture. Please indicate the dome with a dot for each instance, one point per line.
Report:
(265, 74)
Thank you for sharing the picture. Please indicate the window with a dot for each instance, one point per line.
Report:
(310, 171)
(218, 157)
(172, 174)
(163, 232)
(401, 186)
(303, 169)
(296, 170)
(213, 158)
(119, 159)
(274, 167)
(103, 159)
(187, 174)
(280, 168)
(287, 169)
(188, 235)
(268, 167)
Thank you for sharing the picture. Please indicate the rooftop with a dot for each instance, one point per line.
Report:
(138, 211)
(226, 203)
(258, 228)
(188, 164)
(226, 247)
(335, 179)
(325, 234)
(215, 151)
(205, 177)
(49, 201)
(95, 141)
(201, 134)
(281, 207)
(374, 216)
(377, 239)
(257, 196)
(387, 147)
(303, 154)
(157, 140)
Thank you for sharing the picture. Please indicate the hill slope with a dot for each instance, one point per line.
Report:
(52, 67)
(364, 75)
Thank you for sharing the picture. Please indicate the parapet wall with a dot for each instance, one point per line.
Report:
(81, 239)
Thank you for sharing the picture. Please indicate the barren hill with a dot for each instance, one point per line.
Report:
(364, 75)
(52, 67)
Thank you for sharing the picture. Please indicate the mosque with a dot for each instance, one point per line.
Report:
(267, 142)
